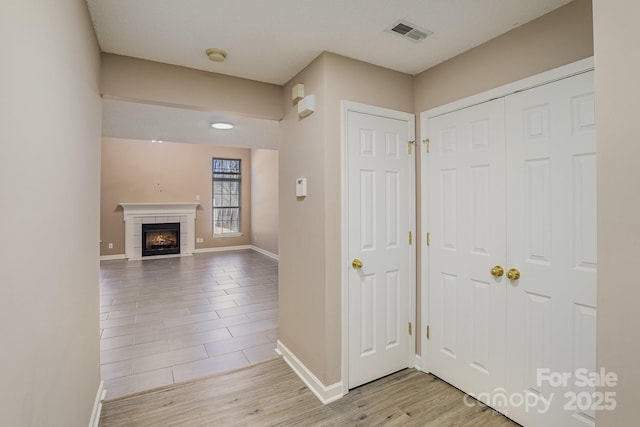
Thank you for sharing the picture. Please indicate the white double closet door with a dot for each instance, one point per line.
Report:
(511, 183)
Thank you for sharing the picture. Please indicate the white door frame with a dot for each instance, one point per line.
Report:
(346, 107)
(565, 71)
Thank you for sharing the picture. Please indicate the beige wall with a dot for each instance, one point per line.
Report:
(310, 240)
(302, 243)
(156, 83)
(617, 67)
(557, 38)
(143, 171)
(264, 200)
(49, 213)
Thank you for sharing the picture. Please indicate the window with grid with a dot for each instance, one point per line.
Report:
(226, 196)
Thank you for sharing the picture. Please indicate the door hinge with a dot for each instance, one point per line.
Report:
(410, 329)
(427, 144)
(409, 146)
(410, 238)
(428, 239)
(427, 331)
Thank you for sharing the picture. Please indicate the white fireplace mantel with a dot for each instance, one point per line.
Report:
(136, 214)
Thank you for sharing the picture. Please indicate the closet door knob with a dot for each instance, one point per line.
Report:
(497, 271)
(513, 274)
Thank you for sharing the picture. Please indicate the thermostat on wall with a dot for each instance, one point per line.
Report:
(301, 187)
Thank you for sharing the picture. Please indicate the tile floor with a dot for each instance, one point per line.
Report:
(175, 319)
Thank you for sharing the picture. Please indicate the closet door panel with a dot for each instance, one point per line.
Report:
(551, 240)
(467, 213)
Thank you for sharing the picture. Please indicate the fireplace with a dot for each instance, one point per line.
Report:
(160, 239)
(136, 215)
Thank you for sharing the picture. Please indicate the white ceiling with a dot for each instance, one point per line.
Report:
(271, 41)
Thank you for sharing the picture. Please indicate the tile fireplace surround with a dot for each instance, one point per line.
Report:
(136, 214)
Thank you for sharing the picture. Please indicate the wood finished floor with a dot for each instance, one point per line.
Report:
(270, 394)
(171, 320)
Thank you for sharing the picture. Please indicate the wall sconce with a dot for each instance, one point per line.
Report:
(307, 106)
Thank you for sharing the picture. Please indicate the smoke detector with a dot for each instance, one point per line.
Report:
(216, 55)
(409, 31)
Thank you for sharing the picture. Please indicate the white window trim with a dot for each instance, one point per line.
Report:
(218, 236)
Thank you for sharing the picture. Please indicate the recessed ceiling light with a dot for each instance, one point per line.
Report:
(221, 125)
(159, 141)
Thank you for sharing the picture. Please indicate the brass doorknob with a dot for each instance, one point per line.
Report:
(513, 274)
(497, 271)
(357, 264)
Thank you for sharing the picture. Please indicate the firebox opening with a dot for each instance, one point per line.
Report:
(160, 239)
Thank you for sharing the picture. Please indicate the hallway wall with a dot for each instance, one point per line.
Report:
(617, 67)
(49, 213)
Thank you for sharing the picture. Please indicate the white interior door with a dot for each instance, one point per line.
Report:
(551, 240)
(466, 185)
(380, 218)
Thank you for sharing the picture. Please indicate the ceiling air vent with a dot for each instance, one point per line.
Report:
(409, 31)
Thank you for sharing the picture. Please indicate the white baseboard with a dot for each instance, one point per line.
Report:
(110, 257)
(417, 363)
(203, 250)
(265, 252)
(97, 405)
(238, 248)
(223, 249)
(323, 393)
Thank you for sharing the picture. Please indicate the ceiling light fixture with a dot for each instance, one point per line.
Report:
(159, 141)
(216, 55)
(223, 126)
